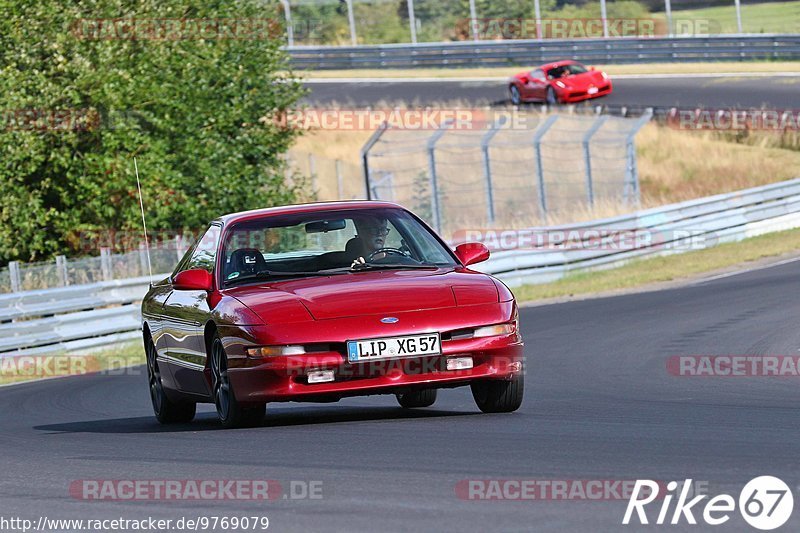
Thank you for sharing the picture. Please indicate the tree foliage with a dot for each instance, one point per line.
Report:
(77, 106)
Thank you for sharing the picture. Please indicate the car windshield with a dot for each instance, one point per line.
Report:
(329, 243)
(566, 70)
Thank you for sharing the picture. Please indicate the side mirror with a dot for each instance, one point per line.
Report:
(472, 252)
(192, 280)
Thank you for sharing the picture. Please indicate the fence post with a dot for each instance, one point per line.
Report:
(668, 10)
(339, 180)
(312, 172)
(739, 16)
(352, 21)
(587, 155)
(631, 168)
(537, 12)
(435, 208)
(143, 258)
(105, 264)
(473, 21)
(487, 166)
(61, 270)
(604, 17)
(179, 246)
(13, 274)
(412, 21)
(287, 10)
(537, 146)
(376, 136)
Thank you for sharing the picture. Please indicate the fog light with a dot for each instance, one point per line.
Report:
(459, 363)
(321, 376)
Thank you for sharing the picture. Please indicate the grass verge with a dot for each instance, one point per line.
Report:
(665, 269)
(613, 70)
(111, 360)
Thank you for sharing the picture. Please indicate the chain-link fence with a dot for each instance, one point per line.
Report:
(352, 22)
(63, 272)
(507, 175)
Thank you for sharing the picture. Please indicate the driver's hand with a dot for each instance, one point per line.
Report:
(359, 261)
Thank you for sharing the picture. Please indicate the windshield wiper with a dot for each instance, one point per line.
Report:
(390, 266)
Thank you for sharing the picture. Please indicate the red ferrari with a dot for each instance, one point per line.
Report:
(318, 302)
(560, 82)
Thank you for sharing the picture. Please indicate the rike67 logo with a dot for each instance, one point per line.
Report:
(765, 503)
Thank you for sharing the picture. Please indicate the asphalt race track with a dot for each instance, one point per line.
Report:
(778, 92)
(599, 405)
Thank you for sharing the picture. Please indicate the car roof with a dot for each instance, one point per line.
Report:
(554, 64)
(304, 208)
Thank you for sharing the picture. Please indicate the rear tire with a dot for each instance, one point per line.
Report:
(416, 399)
(231, 413)
(492, 396)
(166, 410)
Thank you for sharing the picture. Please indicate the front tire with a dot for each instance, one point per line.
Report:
(416, 399)
(166, 411)
(516, 98)
(231, 413)
(493, 396)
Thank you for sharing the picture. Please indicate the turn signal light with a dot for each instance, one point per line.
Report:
(495, 331)
(273, 351)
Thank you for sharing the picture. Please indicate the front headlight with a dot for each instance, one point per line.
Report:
(495, 331)
(605, 76)
(274, 351)
(561, 84)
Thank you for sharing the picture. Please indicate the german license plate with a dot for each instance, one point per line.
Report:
(390, 347)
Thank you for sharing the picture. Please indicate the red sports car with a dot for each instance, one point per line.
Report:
(322, 301)
(563, 81)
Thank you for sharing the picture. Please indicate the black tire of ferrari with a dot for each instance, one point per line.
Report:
(233, 414)
(417, 399)
(165, 410)
(494, 396)
(514, 94)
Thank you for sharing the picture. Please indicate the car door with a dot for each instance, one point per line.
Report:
(537, 85)
(185, 315)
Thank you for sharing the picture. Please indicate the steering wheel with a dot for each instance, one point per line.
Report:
(387, 251)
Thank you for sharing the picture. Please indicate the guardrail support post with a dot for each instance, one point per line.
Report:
(105, 264)
(13, 274)
(435, 207)
(365, 157)
(587, 156)
(61, 270)
(487, 166)
(537, 147)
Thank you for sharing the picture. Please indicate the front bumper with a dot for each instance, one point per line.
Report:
(567, 96)
(285, 378)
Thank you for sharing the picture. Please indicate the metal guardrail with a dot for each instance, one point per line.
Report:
(715, 220)
(85, 316)
(530, 52)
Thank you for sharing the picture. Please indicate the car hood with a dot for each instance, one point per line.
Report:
(585, 80)
(365, 293)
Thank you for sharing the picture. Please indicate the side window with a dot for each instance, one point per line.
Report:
(205, 251)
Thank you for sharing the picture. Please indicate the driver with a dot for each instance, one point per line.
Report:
(372, 232)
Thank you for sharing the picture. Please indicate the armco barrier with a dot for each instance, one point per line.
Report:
(532, 52)
(80, 317)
